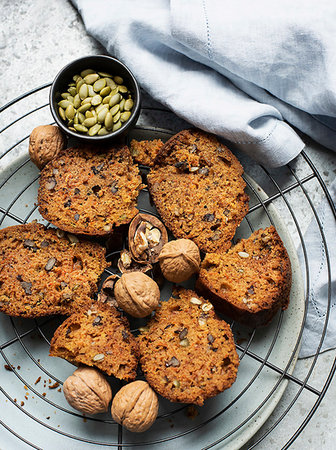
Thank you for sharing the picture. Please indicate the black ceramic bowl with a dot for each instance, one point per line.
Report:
(99, 63)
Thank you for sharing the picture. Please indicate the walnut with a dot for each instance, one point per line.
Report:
(45, 143)
(137, 294)
(127, 264)
(146, 236)
(179, 260)
(135, 406)
(87, 391)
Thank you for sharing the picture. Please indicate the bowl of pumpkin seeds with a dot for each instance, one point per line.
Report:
(95, 98)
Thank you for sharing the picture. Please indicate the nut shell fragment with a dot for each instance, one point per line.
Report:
(135, 406)
(127, 264)
(137, 294)
(45, 143)
(87, 391)
(146, 236)
(179, 260)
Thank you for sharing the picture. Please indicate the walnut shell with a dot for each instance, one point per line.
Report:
(179, 260)
(146, 237)
(45, 143)
(135, 406)
(137, 294)
(87, 391)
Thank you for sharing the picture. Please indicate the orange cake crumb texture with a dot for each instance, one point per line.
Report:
(144, 152)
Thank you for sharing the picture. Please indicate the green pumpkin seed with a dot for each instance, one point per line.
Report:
(87, 100)
(76, 118)
(81, 117)
(70, 123)
(94, 114)
(116, 117)
(70, 112)
(111, 83)
(79, 84)
(76, 78)
(118, 79)
(65, 95)
(64, 104)
(72, 129)
(114, 100)
(125, 116)
(116, 126)
(114, 91)
(84, 108)
(96, 100)
(99, 85)
(89, 122)
(114, 109)
(81, 128)
(108, 122)
(77, 101)
(86, 72)
(91, 78)
(105, 91)
(107, 99)
(123, 89)
(88, 114)
(102, 114)
(70, 99)
(122, 105)
(102, 132)
(100, 107)
(94, 130)
(72, 90)
(83, 91)
(91, 91)
(61, 112)
(104, 74)
(128, 104)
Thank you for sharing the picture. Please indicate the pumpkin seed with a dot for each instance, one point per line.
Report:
(114, 109)
(87, 100)
(108, 122)
(107, 99)
(125, 116)
(70, 112)
(91, 78)
(91, 91)
(76, 77)
(71, 84)
(102, 114)
(104, 74)
(88, 114)
(80, 127)
(61, 112)
(114, 100)
(123, 89)
(65, 95)
(118, 79)
(116, 126)
(72, 90)
(83, 91)
(102, 132)
(122, 105)
(86, 72)
(79, 84)
(84, 108)
(96, 100)
(89, 122)
(116, 117)
(77, 101)
(76, 119)
(99, 84)
(105, 91)
(64, 104)
(81, 117)
(100, 107)
(128, 104)
(111, 83)
(94, 130)
(72, 129)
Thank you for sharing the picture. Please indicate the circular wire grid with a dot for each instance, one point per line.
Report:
(34, 412)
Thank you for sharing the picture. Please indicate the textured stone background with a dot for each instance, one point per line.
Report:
(37, 38)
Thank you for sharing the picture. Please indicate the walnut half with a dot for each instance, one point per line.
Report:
(146, 237)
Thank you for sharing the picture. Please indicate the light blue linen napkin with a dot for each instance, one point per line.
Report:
(246, 71)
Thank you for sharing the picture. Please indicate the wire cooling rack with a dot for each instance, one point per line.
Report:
(26, 376)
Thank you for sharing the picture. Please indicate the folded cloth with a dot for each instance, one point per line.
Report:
(322, 278)
(236, 69)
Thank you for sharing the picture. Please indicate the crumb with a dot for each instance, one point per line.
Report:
(59, 390)
(44, 394)
(18, 367)
(26, 397)
(192, 412)
(38, 380)
(15, 400)
(22, 403)
(54, 386)
(9, 368)
(48, 417)
(25, 387)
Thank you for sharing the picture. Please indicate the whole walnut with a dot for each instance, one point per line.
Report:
(87, 391)
(179, 260)
(137, 294)
(45, 143)
(135, 406)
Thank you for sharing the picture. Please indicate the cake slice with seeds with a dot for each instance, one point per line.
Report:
(186, 352)
(251, 281)
(98, 337)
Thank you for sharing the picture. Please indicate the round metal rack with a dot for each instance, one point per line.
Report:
(285, 187)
